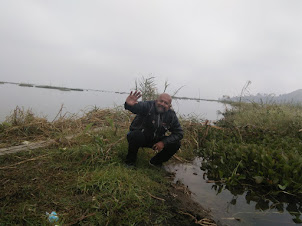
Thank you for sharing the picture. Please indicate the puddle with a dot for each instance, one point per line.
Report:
(225, 207)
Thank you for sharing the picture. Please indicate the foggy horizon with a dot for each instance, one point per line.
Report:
(245, 93)
(212, 48)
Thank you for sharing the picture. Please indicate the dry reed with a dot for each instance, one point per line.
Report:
(22, 125)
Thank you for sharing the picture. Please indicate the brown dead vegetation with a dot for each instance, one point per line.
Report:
(23, 126)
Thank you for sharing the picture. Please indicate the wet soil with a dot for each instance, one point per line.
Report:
(186, 211)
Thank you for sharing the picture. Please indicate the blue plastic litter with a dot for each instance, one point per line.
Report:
(52, 217)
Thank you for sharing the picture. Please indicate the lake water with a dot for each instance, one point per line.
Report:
(225, 207)
(48, 102)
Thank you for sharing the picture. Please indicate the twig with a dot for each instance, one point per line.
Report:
(111, 145)
(206, 132)
(180, 159)
(190, 215)
(239, 133)
(60, 111)
(119, 140)
(156, 197)
(27, 160)
(202, 222)
(216, 127)
(214, 181)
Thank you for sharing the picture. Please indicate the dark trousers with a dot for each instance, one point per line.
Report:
(137, 139)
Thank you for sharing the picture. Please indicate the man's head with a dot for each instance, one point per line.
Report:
(163, 102)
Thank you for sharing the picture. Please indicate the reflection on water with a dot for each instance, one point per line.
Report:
(47, 102)
(235, 207)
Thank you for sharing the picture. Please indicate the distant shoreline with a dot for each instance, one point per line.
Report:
(80, 89)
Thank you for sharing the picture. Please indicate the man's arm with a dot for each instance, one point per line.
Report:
(134, 106)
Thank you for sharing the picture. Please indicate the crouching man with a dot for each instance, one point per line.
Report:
(150, 126)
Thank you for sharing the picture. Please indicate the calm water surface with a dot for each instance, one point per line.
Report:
(47, 102)
(222, 205)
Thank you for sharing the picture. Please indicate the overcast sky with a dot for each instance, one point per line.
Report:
(212, 47)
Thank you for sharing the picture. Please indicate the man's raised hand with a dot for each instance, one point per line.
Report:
(133, 97)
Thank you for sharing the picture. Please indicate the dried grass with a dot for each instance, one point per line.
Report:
(23, 125)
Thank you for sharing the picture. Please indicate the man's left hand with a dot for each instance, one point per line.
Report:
(158, 146)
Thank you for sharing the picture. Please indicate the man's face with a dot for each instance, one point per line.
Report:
(163, 103)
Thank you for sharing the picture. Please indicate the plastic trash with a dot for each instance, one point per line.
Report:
(52, 217)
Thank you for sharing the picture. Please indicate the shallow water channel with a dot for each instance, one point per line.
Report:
(225, 207)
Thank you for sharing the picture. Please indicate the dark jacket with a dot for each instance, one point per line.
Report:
(154, 124)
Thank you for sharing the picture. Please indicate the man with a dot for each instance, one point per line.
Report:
(148, 129)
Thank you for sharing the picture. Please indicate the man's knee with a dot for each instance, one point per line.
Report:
(173, 147)
(135, 136)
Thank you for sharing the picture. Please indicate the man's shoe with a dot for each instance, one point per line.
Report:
(130, 164)
(157, 165)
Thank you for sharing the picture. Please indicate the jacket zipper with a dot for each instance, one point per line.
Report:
(158, 120)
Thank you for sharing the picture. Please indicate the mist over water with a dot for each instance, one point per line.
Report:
(48, 102)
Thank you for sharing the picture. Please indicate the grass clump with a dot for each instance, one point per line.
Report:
(119, 197)
(285, 119)
(86, 184)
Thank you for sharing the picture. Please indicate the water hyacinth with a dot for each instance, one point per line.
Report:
(264, 160)
(256, 150)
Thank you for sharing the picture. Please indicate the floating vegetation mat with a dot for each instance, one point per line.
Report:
(265, 159)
